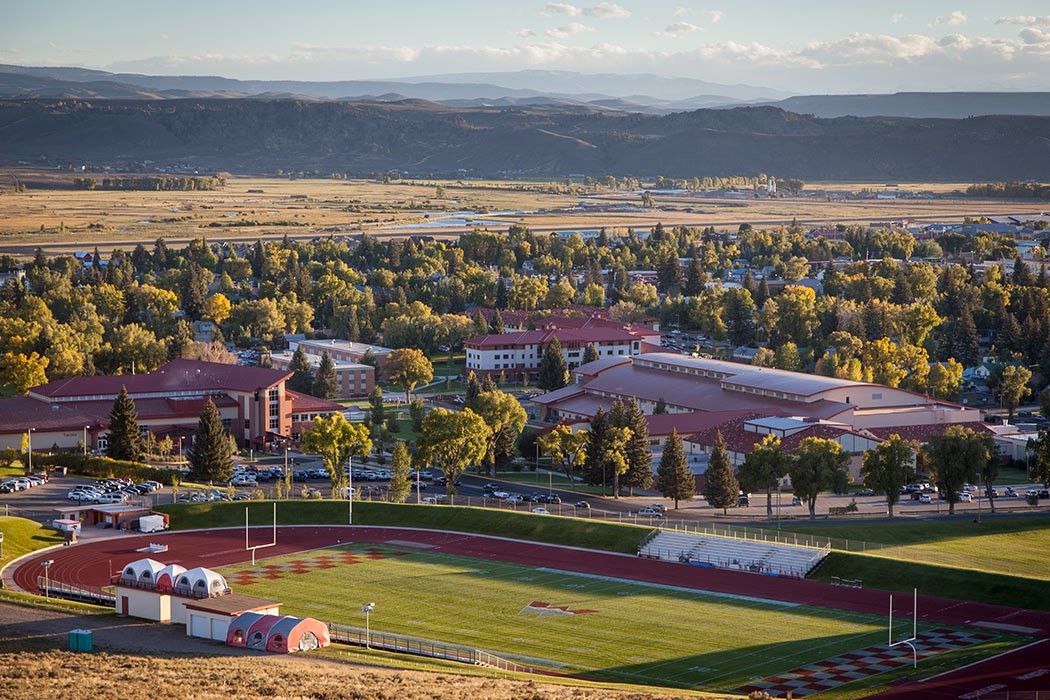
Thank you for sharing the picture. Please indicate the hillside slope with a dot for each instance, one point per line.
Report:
(420, 137)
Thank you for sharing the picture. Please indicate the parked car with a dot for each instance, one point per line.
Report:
(1044, 493)
(650, 512)
(111, 498)
(515, 499)
(964, 497)
(1010, 491)
(924, 498)
(541, 511)
(582, 504)
(866, 492)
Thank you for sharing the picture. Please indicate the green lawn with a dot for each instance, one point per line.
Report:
(614, 537)
(639, 633)
(1014, 545)
(22, 536)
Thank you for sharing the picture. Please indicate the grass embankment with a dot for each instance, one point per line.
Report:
(551, 529)
(22, 536)
(1000, 560)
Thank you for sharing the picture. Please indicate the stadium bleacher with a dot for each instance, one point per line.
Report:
(732, 553)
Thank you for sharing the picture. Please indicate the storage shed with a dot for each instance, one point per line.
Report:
(291, 634)
(210, 618)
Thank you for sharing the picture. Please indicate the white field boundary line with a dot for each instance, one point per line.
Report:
(982, 661)
(668, 587)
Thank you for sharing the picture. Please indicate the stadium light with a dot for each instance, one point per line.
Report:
(47, 567)
(367, 609)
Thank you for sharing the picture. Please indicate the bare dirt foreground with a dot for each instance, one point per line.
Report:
(32, 665)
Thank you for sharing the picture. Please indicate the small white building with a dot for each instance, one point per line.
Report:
(210, 618)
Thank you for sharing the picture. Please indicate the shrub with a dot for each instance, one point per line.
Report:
(105, 468)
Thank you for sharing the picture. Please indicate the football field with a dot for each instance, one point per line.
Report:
(601, 628)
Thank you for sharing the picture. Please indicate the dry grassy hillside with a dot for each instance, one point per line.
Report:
(43, 676)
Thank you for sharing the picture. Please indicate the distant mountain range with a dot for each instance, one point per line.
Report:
(419, 137)
(642, 93)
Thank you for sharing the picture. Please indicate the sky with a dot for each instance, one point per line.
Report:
(804, 46)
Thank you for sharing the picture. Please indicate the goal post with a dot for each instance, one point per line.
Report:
(252, 548)
(910, 641)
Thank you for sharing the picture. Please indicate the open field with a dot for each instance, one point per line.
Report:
(1014, 545)
(621, 631)
(250, 208)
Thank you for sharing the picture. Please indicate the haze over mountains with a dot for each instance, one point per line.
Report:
(643, 93)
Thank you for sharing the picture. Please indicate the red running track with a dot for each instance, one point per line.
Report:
(90, 565)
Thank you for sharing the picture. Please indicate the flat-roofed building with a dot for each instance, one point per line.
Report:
(519, 352)
(355, 379)
(344, 350)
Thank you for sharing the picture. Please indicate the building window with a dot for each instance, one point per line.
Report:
(877, 396)
(274, 423)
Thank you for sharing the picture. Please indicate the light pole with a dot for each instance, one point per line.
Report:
(350, 489)
(85, 441)
(47, 586)
(29, 435)
(780, 483)
(368, 609)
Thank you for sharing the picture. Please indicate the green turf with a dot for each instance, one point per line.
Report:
(614, 537)
(22, 536)
(943, 581)
(1013, 545)
(640, 634)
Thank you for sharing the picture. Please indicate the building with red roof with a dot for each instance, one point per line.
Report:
(253, 403)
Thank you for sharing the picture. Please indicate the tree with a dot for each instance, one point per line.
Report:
(302, 379)
(720, 485)
(954, 458)
(452, 441)
(763, 468)
(615, 457)
(1039, 466)
(408, 367)
(22, 371)
(639, 454)
(553, 373)
(496, 325)
(473, 389)
(326, 382)
(400, 463)
(566, 447)
(377, 410)
(597, 437)
(819, 464)
(944, 379)
(673, 476)
(590, 354)
(124, 437)
(336, 440)
(888, 467)
(660, 407)
(211, 454)
(505, 418)
(417, 412)
(1013, 387)
(217, 308)
(1044, 402)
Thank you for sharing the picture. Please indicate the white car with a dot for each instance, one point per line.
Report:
(111, 498)
(965, 497)
(541, 511)
(925, 498)
(514, 499)
(650, 512)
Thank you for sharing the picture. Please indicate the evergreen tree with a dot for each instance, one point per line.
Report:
(181, 343)
(594, 461)
(211, 455)
(763, 293)
(553, 373)
(473, 389)
(326, 383)
(377, 411)
(590, 354)
(639, 453)
(302, 378)
(696, 279)
(674, 478)
(370, 359)
(502, 296)
(400, 484)
(660, 407)
(720, 487)
(125, 441)
(496, 326)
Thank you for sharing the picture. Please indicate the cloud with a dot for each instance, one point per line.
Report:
(714, 16)
(680, 11)
(526, 33)
(896, 18)
(955, 19)
(1026, 20)
(673, 30)
(607, 10)
(9, 50)
(568, 30)
(561, 8)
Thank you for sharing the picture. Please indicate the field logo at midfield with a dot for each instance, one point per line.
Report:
(542, 609)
